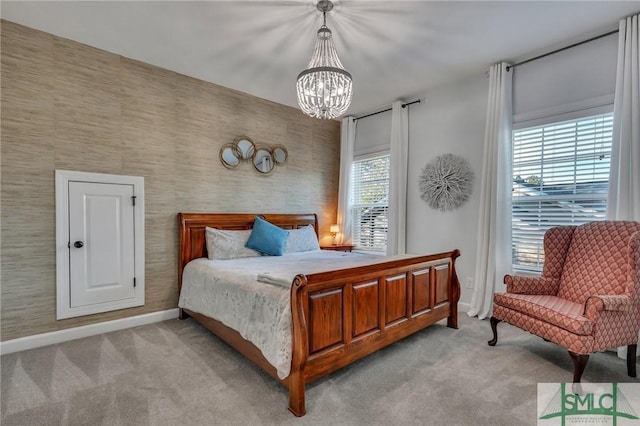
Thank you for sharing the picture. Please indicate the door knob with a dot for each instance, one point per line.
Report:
(78, 244)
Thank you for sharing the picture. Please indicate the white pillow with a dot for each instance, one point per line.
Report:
(228, 244)
(302, 239)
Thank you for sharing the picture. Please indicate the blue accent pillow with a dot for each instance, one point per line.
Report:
(267, 238)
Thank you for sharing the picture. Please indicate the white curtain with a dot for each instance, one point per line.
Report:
(624, 178)
(493, 248)
(347, 141)
(397, 214)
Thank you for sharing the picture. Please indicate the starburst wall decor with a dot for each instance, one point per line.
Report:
(446, 182)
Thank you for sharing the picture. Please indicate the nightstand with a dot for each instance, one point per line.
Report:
(338, 247)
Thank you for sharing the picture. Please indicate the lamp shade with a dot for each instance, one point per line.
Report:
(334, 228)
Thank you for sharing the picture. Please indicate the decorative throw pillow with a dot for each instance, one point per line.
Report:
(267, 238)
(228, 244)
(302, 239)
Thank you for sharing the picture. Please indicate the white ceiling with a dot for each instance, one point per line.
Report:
(393, 49)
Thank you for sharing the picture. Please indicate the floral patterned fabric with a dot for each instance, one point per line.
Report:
(588, 297)
(228, 244)
(302, 239)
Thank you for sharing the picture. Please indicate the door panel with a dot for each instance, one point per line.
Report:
(102, 264)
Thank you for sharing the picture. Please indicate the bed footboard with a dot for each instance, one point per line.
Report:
(342, 316)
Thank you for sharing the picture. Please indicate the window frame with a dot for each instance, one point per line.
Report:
(575, 116)
(353, 206)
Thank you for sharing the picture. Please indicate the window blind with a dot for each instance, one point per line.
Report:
(560, 177)
(370, 203)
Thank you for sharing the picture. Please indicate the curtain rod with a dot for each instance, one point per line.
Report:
(562, 48)
(417, 101)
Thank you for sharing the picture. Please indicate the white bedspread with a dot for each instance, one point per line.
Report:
(229, 291)
(282, 270)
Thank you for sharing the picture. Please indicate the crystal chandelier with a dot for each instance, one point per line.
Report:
(324, 88)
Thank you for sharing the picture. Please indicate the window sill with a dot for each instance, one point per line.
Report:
(375, 253)
(526, 272)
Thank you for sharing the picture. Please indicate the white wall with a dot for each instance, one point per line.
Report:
(451, 120)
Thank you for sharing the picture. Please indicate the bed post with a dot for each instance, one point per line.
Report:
(296, 378)
(454, 287)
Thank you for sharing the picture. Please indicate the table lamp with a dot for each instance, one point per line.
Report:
(334, 231)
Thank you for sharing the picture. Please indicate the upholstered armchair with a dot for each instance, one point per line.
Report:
(588, 297)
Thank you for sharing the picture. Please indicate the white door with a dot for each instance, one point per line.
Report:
(101, 243)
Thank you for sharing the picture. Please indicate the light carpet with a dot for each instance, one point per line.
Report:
(177, 373)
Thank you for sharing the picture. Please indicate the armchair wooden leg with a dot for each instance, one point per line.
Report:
(494, 328)
(631, 360)
(579, 364)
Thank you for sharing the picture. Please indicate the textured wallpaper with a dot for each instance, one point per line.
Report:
(69, 106)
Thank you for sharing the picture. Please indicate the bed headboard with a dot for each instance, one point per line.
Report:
(191, 230)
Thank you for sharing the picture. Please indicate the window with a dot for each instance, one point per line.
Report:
(560, 177)
(370, 203)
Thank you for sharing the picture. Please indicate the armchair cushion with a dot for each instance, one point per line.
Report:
(560, 312)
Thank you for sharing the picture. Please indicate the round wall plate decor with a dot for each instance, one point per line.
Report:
(446, 182)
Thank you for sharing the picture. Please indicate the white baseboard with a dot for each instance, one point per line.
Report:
(464, 307)
(44, 339)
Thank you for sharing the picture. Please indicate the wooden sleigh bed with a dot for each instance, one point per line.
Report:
(338, 316)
